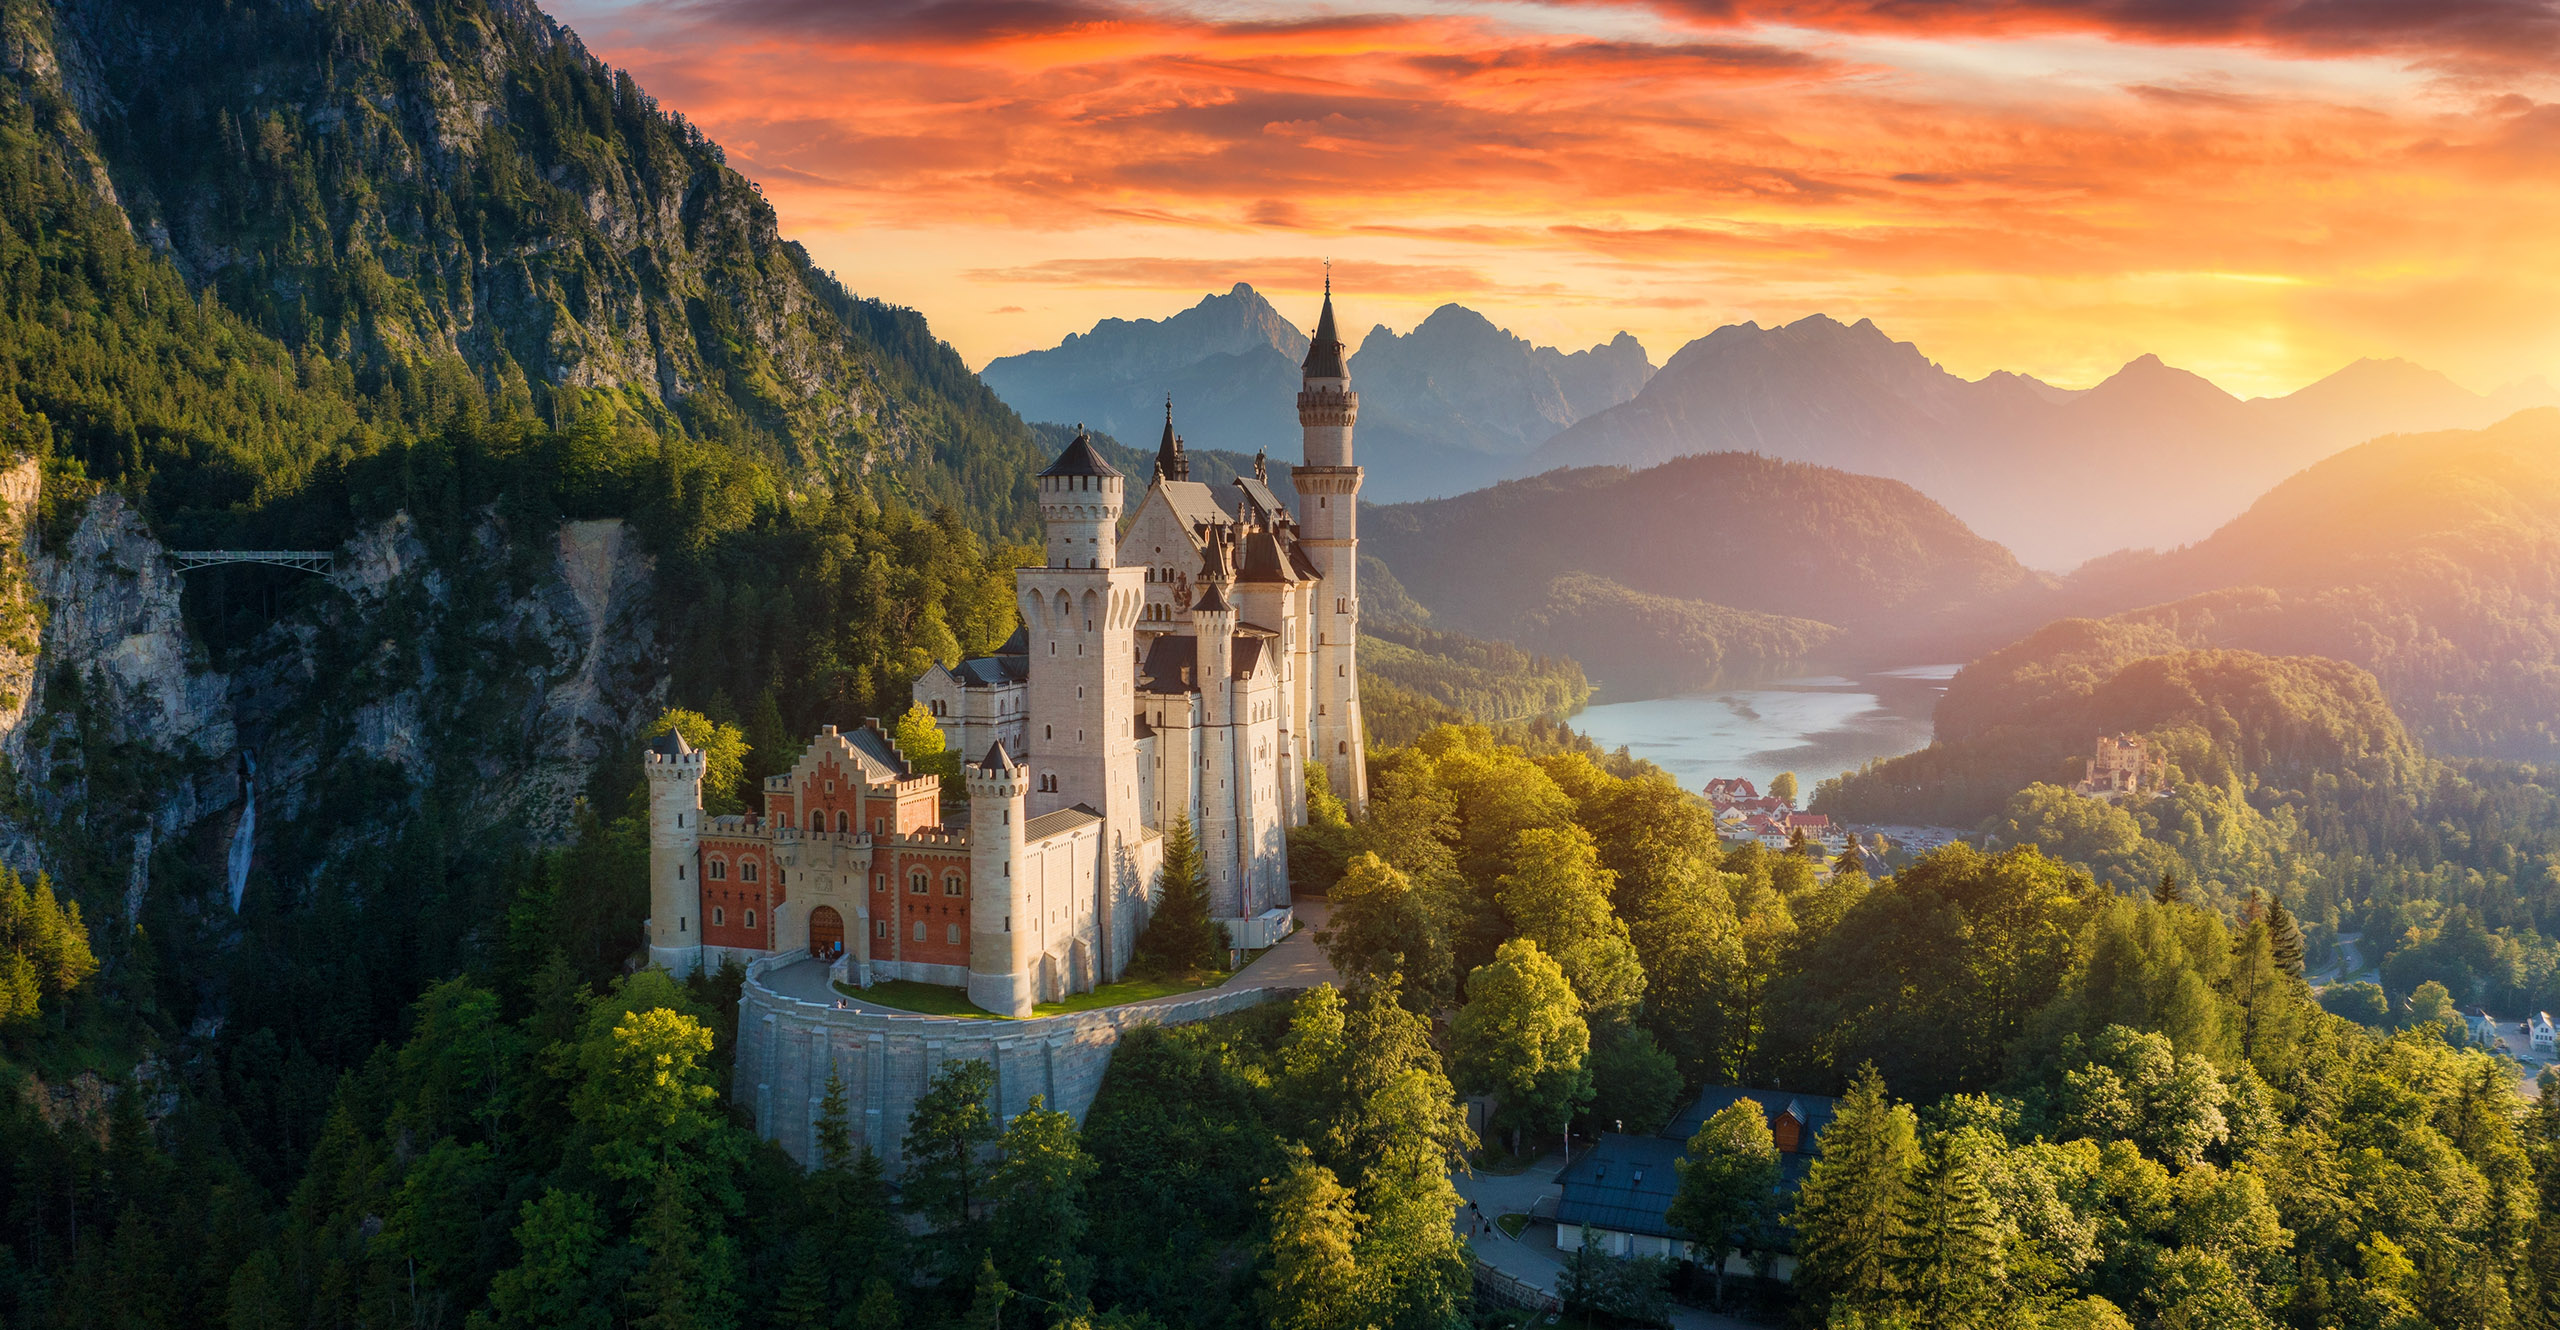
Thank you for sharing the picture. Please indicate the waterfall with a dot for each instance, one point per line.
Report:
(244, 836)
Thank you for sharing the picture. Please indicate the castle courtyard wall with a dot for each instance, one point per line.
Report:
(787, 1047)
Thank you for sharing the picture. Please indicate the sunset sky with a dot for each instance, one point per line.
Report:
(2258, 190)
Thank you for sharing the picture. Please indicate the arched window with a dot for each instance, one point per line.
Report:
(719, 870)
(1343, 747)
(747, 870)
(718, 916)
(751, 918)
(843, 823)
(951, 934)
(917, 882)
(951, 884)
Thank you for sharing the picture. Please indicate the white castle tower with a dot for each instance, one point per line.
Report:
(675, 833)
(1080, 616)
(1000, 953)
(1328, 513)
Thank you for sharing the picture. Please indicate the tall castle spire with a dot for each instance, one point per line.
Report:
(1324, 350)
(1171, 462)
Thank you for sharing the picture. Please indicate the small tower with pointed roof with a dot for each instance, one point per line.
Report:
(1171, 462)
(1080, 617)
(1002, 939)
(1328, 486)
(675, 835)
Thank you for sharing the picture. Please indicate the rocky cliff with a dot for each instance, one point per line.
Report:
(502, 677)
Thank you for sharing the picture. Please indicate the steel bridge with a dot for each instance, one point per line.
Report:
(308, 561)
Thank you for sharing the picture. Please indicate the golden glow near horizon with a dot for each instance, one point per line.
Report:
(2257, 190)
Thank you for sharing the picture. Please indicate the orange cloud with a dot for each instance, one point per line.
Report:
(2258, 189)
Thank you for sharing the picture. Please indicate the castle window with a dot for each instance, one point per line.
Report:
(747, 870)
(880, 928)
(879, 825)
(679, 872)
(1343, 747)
(843, 823)
(919, 930)
(879, 882)
(951, 884)
(951, 934)
(1048, 732)
(751, 918)
(718, 916)
(916, 882)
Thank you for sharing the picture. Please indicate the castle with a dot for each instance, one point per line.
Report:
(1189, 666)
(2117, 769)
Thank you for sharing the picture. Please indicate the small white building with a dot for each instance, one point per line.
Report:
(2483, 1027)
(2542, 1036)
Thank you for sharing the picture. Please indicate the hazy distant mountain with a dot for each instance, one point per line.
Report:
(1444, 408)
(2154, 456)
(1700, 570)
(1230, 362)
(2432, 560)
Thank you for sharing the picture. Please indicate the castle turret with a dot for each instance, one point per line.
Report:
(1223, 777)
(1080, 618)
(1171, 462)
(1003, 923)
(1328, 512)
(675, 834)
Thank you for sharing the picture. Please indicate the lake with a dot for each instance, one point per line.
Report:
(1816, 727)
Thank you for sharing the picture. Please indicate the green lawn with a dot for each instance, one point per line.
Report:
(936, 1000)
(1514, 1224)
(924, 999)
(1129, 990)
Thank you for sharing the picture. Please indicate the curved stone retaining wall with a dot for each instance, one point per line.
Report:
(788, 1047)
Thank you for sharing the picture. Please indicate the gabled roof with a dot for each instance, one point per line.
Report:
(993, 671)
(1262, 498)
(1813, 1110)
(1080, 459)
(1063, 819)
(870, 742)
(1625, 1183)
(1170, 665)
(1195, 504)
(1264, 558)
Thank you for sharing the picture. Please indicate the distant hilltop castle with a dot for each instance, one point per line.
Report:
(2117, 769)
(1190, 667)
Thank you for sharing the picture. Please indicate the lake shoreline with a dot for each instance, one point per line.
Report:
(1815, 725)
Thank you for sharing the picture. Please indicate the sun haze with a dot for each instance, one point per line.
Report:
(2258, 190)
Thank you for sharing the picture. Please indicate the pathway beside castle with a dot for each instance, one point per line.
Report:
(1296, 962)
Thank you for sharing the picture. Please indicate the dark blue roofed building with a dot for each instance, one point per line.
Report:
(1621, 1189)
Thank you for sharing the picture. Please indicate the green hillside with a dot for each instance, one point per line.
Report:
(1702, 570)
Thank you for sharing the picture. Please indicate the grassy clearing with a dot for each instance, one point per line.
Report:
(936, 1000)
(1514, 1224)
(923, 999)
(1130, 990)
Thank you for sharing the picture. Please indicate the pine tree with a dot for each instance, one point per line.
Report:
(1851, 860)
(1852, 1215)
(835, 1132)
(2169, 892)
(2284, 936)
(986, 1299)
(879, 1308)
(1952, 1262)
(1180, 938)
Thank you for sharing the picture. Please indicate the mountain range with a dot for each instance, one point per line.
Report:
(2154, 456)
(1447, 407)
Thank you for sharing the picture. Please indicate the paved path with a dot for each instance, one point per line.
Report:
(1294, 962)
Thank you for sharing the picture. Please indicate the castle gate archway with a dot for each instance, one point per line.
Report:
(826, 932)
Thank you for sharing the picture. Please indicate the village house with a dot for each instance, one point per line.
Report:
(1622, 1188)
